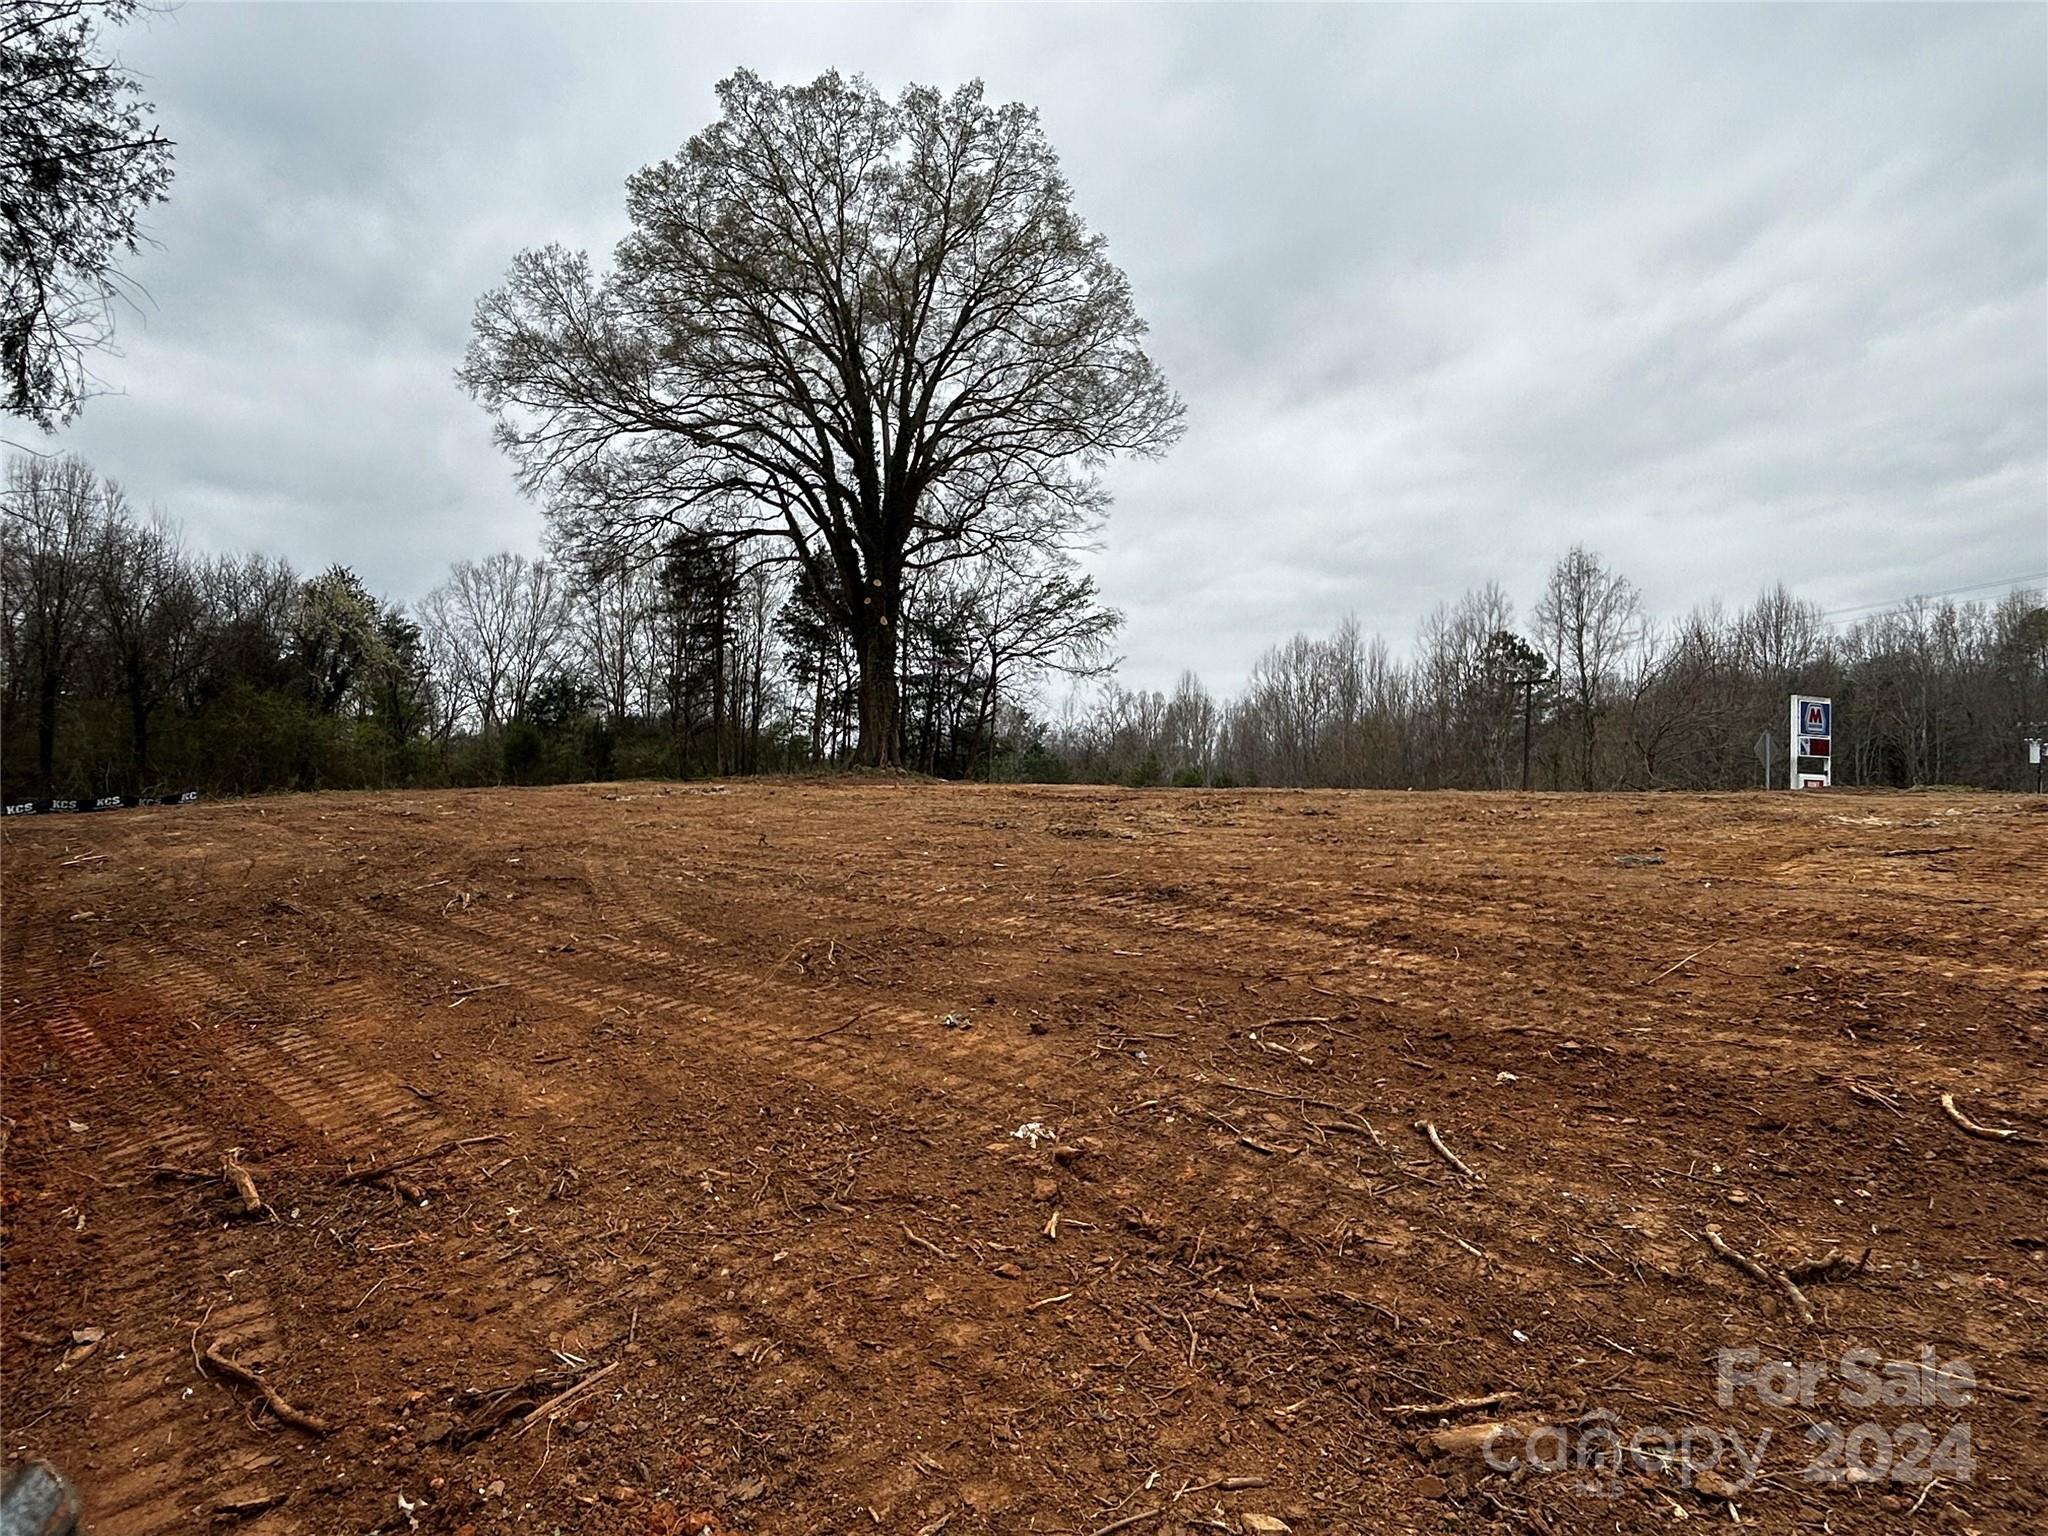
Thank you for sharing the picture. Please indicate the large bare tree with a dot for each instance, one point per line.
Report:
(876, 330)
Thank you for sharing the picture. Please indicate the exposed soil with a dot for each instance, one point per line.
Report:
(751, 1058)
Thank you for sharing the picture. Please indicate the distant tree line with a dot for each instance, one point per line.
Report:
(1598, 696)
(129, 664)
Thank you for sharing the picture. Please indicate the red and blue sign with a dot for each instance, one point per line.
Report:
(1813, 730)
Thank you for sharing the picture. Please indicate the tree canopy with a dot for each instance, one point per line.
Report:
(79, 161)
(876, 330)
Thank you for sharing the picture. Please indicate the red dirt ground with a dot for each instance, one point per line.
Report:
(743, 1160)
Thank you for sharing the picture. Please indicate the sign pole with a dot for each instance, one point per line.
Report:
(1528, 715)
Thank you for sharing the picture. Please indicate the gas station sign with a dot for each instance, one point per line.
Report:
(1813, 732)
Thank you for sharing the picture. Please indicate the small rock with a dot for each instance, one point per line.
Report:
(1263, 1525)
(1713, 1485)
(625, 1493)
(1431, 1487)
(435, 1429)
(1045, 1189)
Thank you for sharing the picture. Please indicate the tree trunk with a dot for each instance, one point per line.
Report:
(46, 729)
(138, 730)
(927, 756)
(755, 704)
(881, 744)
(984, 727)
(718, 692)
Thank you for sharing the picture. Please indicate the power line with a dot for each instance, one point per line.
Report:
(2003, 582)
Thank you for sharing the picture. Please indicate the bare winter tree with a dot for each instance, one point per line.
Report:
(1289, 703)
(611, 621)
(79, 161)
(1588, 618)
(1027, 623)
(497, 626)
(1191, 727)
(1780, 636)
(1465, 691)
(53, 511)
(876, 330)
(148, 609)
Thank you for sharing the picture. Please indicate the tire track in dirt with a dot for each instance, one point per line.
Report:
(970, 1099)
(154, 1485)
(1391, 1220)
(362, 1113)
(525, 1286)
(503, 949)
(740, 1074)
(764, 1320)
(775, 1325)
(1023, 1064)
(346, 1106)
(1412, 1223)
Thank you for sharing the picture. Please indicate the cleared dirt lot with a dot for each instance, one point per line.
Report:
(751, 1058)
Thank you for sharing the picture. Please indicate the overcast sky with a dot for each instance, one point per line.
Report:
(1730, 295)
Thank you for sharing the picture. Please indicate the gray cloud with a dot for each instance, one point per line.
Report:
(1731, 294)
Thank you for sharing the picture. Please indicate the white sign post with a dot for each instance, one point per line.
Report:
(1813, 742)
